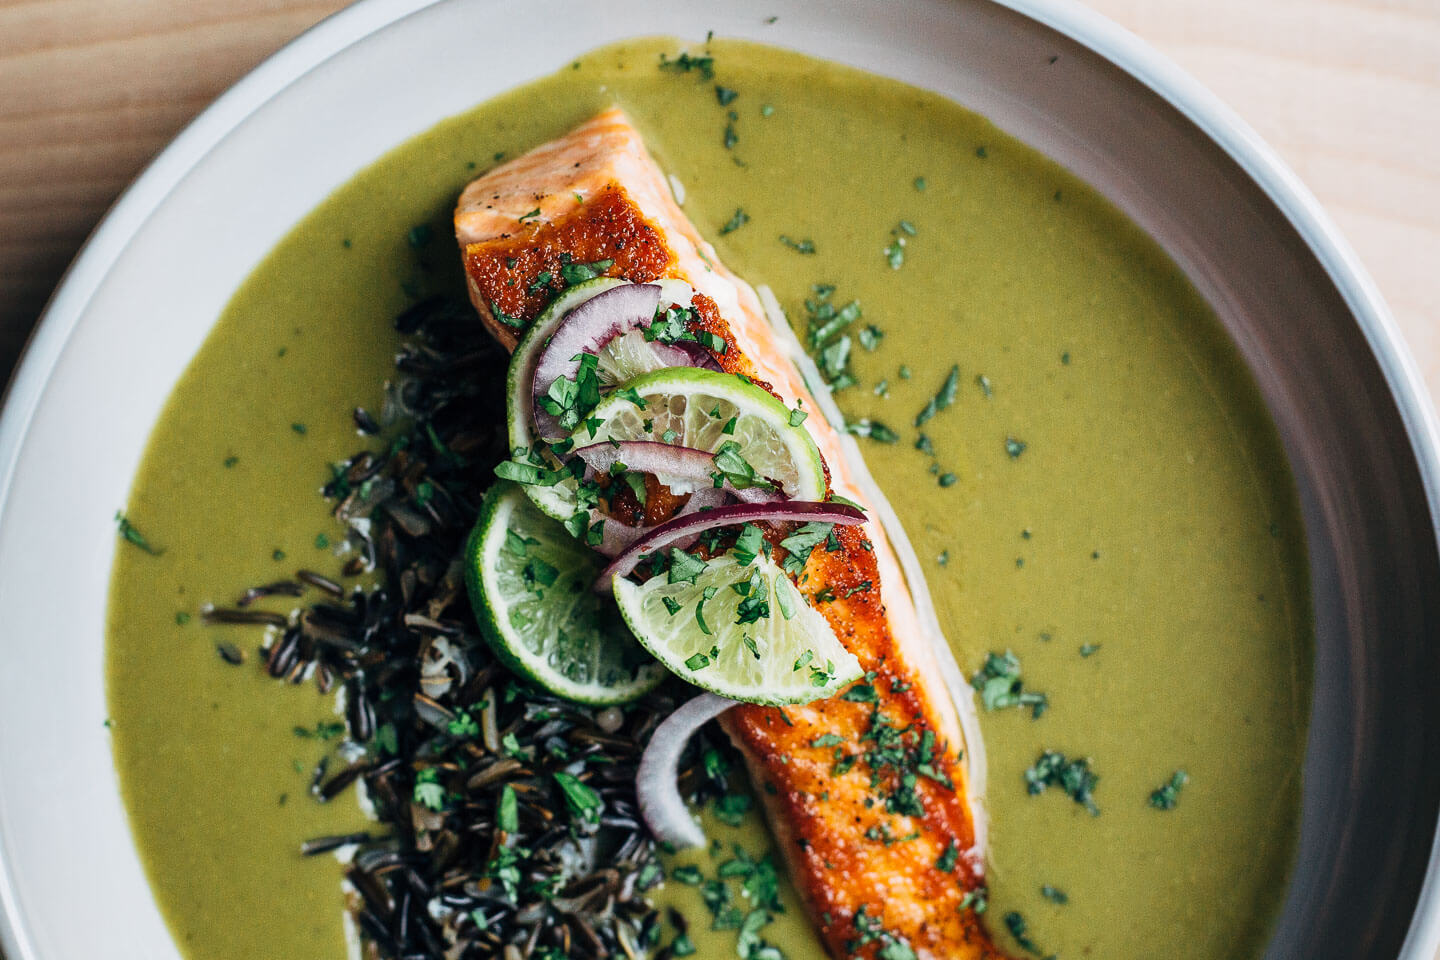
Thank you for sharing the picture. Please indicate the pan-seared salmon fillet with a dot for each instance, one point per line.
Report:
(867, 792)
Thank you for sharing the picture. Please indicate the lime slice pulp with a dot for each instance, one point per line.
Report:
(742, 631)
(530, 586)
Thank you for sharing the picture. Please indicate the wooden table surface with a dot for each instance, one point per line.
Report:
(1347, 90)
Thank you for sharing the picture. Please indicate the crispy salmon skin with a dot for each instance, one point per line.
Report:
(866, 793)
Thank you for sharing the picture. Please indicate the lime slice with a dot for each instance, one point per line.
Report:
(530, 584)
(787, 653)
(709, 411)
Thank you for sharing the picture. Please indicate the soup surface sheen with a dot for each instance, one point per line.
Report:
(1108, 500)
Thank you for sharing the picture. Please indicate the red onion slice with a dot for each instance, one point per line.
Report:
(661, 806)
(666, 461)
(682, 469)
(675, 528)
(586, 329)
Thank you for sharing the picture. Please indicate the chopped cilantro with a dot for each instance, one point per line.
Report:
(974, 901)
(705, 595)
(428, 792)
(686, 63)
(631, 394)
(1016, 923)
(998, 683)
(1074, 777)
(505, 318)
(895, 250)
(800, 544)
(131, 534)
(732, 808)
(538, 573)
(943, 398)
(733, 468)
(584, 803)
(517, 544)
(324, 730)
(736, 222)
(573, 273)
(1166, 796)
(874, 429)
(1014, 447)
(688, 874)
(750, 544)
(828, 344)
(507, 817)
(684, 567)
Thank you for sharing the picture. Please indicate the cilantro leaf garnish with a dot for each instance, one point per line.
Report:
(800, 544)
(131, 534)
(1166, 796)
(999, 685)
(573, 273)
(584, 803)
(943, 398)
(1074, 777)
(735, 222)
(684, 567)
(874, 429)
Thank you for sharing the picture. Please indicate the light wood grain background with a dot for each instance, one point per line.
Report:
(1347, 90)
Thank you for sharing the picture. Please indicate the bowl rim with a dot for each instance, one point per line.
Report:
(1135, 57)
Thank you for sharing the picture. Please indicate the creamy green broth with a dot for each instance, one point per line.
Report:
(1114, 485)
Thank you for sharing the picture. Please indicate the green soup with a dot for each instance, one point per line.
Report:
(1105, 497)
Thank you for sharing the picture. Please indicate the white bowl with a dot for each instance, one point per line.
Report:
(143, 294)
